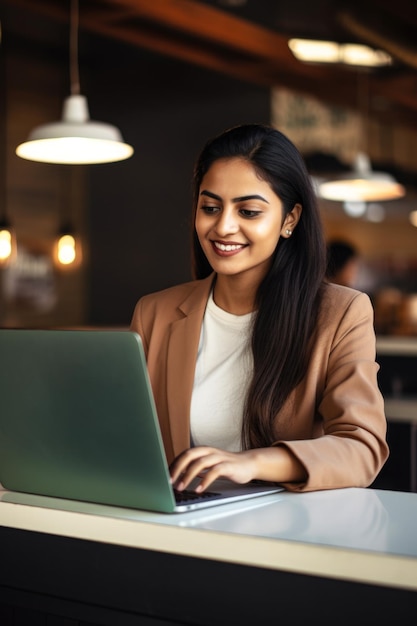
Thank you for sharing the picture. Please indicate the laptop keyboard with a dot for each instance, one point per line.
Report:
(189, 496)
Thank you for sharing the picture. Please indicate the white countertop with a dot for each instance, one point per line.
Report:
(363, 535)
(401, 409)
(396, 345)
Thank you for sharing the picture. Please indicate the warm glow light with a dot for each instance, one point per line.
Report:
(361, 190)
(66, 252)
(314, 51)
(355, 54)
(5, 245)
(413, 218)
(74, 150)
(317, 51)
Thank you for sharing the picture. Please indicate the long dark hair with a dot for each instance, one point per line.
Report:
(288, 298)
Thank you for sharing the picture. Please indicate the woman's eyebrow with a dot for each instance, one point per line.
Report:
(254, 196)
(205, 192)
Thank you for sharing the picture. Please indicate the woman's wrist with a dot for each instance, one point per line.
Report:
(276, 464)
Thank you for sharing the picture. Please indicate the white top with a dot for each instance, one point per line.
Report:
(223, 369)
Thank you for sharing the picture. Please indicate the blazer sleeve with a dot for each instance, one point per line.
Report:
(137, 325)
(351, 448)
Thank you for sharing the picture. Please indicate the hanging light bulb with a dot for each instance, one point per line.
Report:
(7, 243)
(67, 249)
(75, 139)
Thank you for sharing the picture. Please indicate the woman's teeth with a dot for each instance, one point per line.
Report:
(227, 247)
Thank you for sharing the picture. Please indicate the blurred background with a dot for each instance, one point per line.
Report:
(169, 74)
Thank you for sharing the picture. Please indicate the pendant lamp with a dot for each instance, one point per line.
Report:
(362, 184)
(75, 139)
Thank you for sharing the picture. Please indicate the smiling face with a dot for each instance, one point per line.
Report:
(239, 219)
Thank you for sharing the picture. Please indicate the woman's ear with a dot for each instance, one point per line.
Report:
(291, 221)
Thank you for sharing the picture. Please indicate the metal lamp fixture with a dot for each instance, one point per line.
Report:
(362, 185)
(75, 139)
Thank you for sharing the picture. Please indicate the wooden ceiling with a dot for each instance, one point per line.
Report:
(249, 41)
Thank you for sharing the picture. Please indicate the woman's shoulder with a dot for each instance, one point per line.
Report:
(190, 292)
(337, 300)
(331, 292)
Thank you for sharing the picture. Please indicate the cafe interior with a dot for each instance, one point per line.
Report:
(83, 236)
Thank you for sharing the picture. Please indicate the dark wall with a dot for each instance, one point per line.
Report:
(139, 209)
(135, 218)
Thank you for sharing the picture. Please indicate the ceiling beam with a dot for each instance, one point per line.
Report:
(213, 38)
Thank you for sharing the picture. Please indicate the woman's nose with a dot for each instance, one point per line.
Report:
(226, 223)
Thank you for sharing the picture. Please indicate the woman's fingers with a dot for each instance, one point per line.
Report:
(208, 464)
(190, 465)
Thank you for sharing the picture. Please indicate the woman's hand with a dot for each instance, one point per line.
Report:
(275, 464)
(211, 463)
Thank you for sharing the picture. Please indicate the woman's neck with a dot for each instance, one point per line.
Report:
(235, 294)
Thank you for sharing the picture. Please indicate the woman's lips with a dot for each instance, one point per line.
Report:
(227, 249)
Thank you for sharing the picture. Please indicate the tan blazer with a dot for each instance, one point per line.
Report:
(333, 422)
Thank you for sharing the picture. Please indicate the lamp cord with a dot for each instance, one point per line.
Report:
(74, 69)
(3, 126)
(363, 103)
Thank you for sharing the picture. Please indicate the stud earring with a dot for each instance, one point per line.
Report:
(288, 232)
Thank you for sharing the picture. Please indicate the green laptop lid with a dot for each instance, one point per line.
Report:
(77, 418)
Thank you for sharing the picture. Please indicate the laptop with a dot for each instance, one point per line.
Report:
(78, 421)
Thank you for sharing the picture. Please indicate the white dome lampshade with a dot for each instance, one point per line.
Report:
(362, 185)
(75, 139)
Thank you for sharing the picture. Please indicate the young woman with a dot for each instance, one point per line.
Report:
(260, 369)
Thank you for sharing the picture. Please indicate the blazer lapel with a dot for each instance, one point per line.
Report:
(181, 361)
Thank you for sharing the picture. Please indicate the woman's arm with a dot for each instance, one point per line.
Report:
(352, 447)
(273, 464)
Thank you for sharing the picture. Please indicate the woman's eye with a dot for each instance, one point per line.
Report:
(209, 209)
(249, 213)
